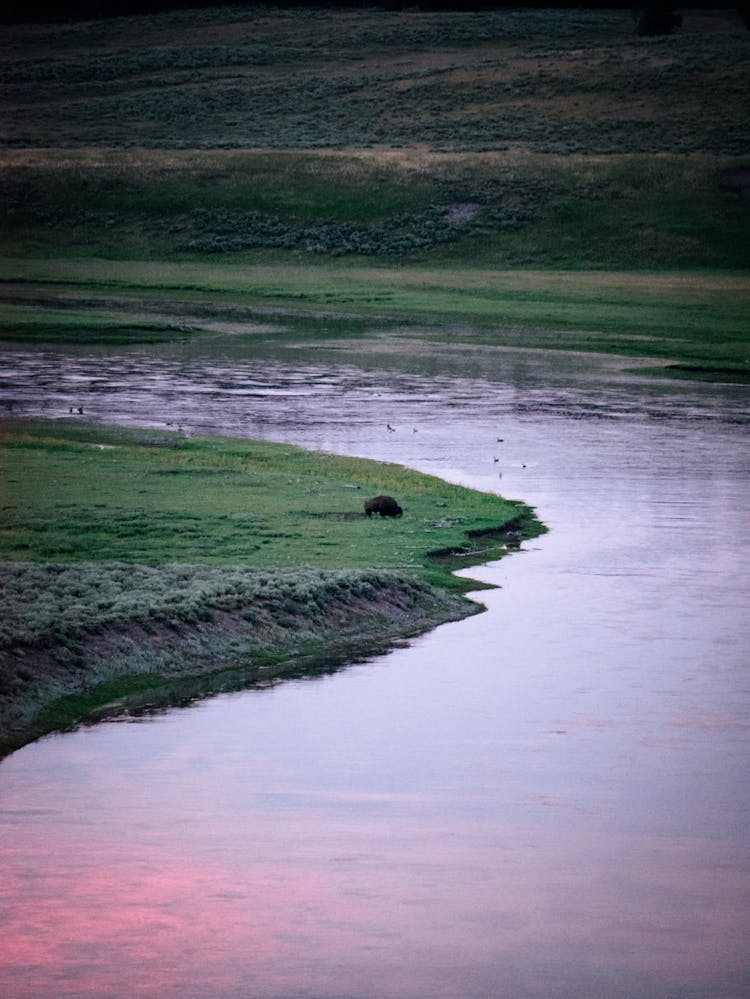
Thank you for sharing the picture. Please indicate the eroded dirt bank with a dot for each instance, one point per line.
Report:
(71, 675)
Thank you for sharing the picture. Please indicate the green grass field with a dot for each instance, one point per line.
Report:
(78, 493)
(696, 320)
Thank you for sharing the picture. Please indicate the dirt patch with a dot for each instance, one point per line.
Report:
(464, 211)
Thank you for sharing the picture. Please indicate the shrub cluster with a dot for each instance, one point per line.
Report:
(299, 79)
(400, 235)
(495, 206)
(61, 602)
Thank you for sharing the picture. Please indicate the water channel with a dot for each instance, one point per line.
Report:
(547, 800)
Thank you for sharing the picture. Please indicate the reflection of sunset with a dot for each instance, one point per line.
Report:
(546, 800)
(162, 919)
(363, 892)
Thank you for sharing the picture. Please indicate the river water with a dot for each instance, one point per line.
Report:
(547, 800)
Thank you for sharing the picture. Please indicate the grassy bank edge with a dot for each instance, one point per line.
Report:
(130, 669)
(305, 621)
(213, 660)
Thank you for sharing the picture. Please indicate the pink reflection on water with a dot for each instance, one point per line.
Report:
(345, 892)
(110, 922)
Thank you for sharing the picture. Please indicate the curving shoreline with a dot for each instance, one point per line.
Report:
(239, 599)
(135, 667)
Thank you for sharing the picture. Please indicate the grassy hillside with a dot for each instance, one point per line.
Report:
(537, 137)
(435, 167)
(564, 82)
(511, 209)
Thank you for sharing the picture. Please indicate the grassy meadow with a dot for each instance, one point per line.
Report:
(83, 493)
(543, 179)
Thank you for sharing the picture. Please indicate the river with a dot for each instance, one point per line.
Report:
(547, 800)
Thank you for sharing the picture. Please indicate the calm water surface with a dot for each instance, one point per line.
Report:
(548, 800)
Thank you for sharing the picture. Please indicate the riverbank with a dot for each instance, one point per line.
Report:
(142, 569)
(680, 324)
(288, 624)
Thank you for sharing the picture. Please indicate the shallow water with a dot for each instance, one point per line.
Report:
(546, 800)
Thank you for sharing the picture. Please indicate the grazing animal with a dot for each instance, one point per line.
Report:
(386, 506)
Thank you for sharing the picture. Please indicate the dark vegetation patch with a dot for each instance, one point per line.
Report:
(708, 373)
(485, 545)
(629, 211)
(737, 179)
(112, 334)
(76, 637)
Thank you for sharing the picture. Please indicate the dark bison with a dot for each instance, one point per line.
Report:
(386, 506)
(655, 17)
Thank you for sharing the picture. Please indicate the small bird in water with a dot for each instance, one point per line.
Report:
(390, 428)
